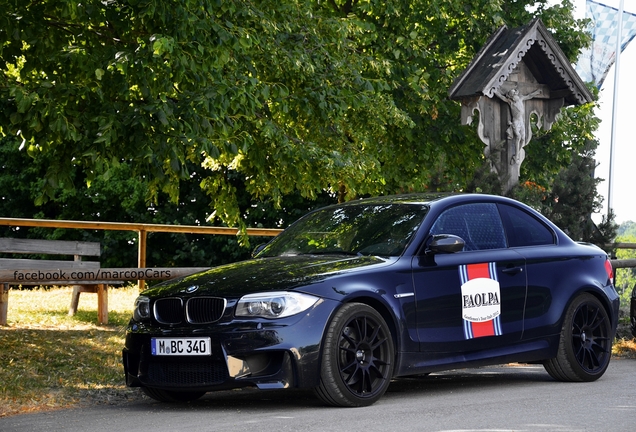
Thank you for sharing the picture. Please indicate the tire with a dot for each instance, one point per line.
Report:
(357, 358)
(585, 346)
(172, 396)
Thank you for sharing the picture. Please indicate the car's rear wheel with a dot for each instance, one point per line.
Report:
(172, 396)
(357, 357)
(585, 346)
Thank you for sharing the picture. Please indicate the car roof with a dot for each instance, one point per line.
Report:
(449, 199)
(431, 198)
(412, 198)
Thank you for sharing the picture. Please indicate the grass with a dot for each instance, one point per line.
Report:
(49, 360)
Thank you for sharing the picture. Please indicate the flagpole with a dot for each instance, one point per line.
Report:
(617, 65)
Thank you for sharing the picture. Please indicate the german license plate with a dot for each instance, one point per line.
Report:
(180, 346)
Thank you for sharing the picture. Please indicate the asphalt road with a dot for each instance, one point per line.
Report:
(502, 398)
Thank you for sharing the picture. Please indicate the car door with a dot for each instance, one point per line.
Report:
(474, 299)
(545, 268)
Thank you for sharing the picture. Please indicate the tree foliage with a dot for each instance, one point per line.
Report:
(266, 101)
(269, 90)
(626, 277)
(122, 198)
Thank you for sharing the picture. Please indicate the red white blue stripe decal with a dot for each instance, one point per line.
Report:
(481, 306)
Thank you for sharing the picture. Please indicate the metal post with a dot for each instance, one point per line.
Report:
(617, 65)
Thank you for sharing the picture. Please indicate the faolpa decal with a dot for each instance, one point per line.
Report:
(481, 306)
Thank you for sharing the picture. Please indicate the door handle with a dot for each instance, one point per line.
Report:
(512, 270)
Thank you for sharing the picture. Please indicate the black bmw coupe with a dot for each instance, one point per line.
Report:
(352, 296)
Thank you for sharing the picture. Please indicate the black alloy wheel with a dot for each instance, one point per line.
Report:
(585, 347)
(358, 357)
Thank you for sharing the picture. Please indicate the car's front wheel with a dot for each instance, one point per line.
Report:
(357, 357)
(585, 346)
(172, 396)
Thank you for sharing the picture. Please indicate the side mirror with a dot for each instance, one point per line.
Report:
(446, 243)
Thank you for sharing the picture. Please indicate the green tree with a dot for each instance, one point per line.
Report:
(122, 198)
(264, 100)
(269, 90)
(426, 45)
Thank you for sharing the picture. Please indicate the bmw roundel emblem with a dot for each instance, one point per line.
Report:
(192, 289)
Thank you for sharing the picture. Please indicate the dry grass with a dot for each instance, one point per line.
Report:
(625, 348)
(49, 360)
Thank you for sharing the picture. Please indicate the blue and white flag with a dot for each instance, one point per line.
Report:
(594, 62)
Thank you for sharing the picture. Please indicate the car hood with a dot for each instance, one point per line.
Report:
(265, 274)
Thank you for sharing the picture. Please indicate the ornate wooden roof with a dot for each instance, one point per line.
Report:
(503, 53)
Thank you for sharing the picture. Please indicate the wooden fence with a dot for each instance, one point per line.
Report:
(622, 263)
(141, 229)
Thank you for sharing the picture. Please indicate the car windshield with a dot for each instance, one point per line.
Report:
(365, 229)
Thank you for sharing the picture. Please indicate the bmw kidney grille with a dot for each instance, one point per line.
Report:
(197, 310)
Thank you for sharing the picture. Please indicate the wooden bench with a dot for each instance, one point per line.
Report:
(29, 271)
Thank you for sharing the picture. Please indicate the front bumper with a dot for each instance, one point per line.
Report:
(268, 354)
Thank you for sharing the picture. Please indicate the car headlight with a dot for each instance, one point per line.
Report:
(274, 304)
(142, 308)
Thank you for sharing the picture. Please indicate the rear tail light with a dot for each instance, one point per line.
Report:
(609, 269)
